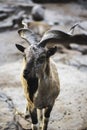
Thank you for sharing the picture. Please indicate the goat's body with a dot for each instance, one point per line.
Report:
(39, 76)
(48, 88)
(47, 91)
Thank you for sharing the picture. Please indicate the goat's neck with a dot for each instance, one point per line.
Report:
(46, 73)
(44, 77)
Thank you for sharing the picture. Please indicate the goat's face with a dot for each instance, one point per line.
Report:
(36, 60)
(37, 54)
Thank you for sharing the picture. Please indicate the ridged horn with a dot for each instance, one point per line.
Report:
(28, 35)
(54, 37)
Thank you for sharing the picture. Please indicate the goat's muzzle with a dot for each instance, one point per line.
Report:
(27, 74)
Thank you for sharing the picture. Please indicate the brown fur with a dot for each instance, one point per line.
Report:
(39, 78)
(53, 81)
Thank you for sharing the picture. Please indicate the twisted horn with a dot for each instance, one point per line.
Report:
(28, 35)
(54, 37)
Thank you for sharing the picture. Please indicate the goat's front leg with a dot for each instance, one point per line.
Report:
(33, 114)
(40, 117)
(46, 116)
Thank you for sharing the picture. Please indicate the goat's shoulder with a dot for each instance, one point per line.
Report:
(54, 72)
(53, 67)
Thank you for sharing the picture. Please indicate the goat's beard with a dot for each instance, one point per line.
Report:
(32, 86)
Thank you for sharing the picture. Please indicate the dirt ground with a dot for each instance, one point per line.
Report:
(70, 109)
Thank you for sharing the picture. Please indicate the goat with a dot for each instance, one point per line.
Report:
(39, 73)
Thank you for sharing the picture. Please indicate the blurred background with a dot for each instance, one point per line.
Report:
(70, 109)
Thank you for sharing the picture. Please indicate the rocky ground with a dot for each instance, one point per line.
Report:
(70, 109)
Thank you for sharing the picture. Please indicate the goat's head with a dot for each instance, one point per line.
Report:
(37, 55)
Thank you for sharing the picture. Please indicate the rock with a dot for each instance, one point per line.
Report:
(12, 22)
(12, 126)
(78, 28)
(37, 27)
(77, 60)
(8, 119)
(4, 8)
(17, 19)
(52, 1)
(6, 24)
(38, 13)
(3, 16)
(83, 2)
(83, 25)
(23, 123)
(81, 48)
(26, 7)
(6, 112)
(70, 107)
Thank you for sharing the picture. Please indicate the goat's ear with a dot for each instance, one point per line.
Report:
(20, 48)
(51, 51)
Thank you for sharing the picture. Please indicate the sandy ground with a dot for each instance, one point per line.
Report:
(70, 109)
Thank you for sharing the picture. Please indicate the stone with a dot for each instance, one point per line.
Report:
(38, 13)
(3, 16)
(80, 48)
(52, 1)
(6, 112)
(9, 120)
(83, 2)
(5, 25)
(70, 109)
(5, 8)
(38, 27)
